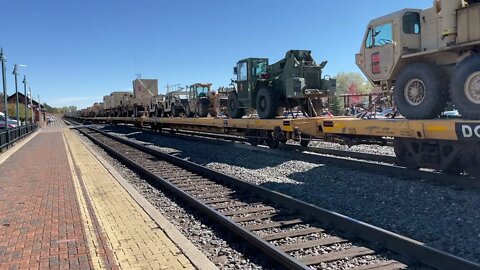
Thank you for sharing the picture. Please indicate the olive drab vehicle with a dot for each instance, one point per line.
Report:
(426, 58)
(200, 101)
(293, 81)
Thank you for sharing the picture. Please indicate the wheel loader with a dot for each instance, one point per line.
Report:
(426, 58)
(202, 101)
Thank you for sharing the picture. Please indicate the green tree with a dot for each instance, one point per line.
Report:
(335, 106)
(349, 80)
(12, 111)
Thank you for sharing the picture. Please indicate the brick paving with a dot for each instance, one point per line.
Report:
(60, 208)
(40, 221)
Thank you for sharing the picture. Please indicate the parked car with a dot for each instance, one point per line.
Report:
(11, 123)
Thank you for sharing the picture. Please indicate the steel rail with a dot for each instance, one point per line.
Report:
(389, 240)
(270, 250)
(357, 160)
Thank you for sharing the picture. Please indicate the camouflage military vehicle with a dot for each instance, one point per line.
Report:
(293, 81)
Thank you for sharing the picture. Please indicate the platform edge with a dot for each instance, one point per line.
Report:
(196, 257)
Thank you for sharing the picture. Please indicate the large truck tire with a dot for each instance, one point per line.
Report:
(267, 103)
(175, 111)
(465, 87)
(421, 91)
(188, 111)
(203, 109)
(233, 106)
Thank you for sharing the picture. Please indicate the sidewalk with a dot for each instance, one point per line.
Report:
(60, 208)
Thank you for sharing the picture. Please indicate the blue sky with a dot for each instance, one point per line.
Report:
(78, 51)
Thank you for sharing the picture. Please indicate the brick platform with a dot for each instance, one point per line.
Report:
(60, 208)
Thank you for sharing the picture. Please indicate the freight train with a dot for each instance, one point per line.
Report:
(197, 100)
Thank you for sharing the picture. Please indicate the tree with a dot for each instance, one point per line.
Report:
(12, 111)
(335, 106)
(346, 80)
(49, 109)
(352, 90)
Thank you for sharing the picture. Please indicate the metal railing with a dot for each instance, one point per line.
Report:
(11, 135)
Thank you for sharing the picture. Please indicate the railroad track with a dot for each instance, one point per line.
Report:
(292, 233)
(334, 152)
(356, 160)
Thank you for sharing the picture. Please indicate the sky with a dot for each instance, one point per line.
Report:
(78, 51)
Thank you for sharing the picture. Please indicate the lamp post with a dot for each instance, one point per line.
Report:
(25, 93)
(31, 103)
(15, 73)
(4, 79)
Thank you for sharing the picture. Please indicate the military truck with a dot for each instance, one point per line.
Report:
(106, 105)
(426, 58)
(293, 81)
(126, 108)
(116, 102)
(143, 91)
(174, 103)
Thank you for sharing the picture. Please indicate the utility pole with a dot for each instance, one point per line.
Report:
(25, 93)
(15, 73)
(4, 79)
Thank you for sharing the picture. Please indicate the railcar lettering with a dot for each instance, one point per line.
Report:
(467, 132)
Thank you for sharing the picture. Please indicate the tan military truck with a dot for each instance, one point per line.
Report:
(127, 105)
(116, 102)
(106, 105)
(427, 58)
(143, 91)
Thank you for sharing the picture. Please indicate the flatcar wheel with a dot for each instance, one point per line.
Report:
(404, 157)
(253, 141)
(304, 142)
(272, 143)
(454, 169)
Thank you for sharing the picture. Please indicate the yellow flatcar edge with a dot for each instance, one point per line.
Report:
(436, 129)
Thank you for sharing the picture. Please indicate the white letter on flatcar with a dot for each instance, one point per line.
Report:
(477, 131)
(467, 131)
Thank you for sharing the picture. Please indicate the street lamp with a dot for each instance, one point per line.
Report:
(25, 93)
(4, 79)
(15, 73)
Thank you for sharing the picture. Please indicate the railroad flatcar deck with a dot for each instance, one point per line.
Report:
(319, 127)
(450, 145)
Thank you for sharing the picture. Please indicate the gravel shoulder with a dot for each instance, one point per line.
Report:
(441, 216)
(222, 249)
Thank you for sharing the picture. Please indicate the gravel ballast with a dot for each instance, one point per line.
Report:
(222, 249)
(441, 216)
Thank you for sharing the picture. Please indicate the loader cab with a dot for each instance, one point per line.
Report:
(199, 90)
(248, 71)
(386, 40)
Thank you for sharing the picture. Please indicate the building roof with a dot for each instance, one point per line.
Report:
(12, 99)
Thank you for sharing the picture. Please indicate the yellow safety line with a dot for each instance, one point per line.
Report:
(92, 241)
